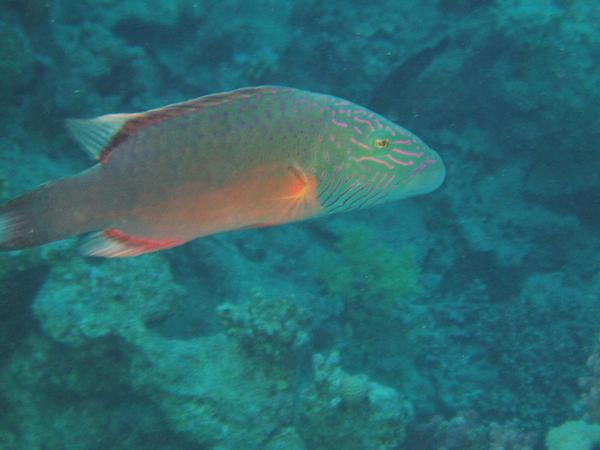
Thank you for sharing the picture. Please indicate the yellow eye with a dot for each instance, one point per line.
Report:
(382, 143)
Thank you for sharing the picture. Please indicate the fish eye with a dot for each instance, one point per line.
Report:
(382, 142)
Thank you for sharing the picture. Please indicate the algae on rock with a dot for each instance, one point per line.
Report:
(274, 329)
(340, 410)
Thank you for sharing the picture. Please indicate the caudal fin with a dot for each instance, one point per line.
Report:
(49, 213)
(19, 227)
(12, 230)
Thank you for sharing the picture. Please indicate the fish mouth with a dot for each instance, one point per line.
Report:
(427, 176)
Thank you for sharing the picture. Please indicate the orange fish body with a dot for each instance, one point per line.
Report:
(251, 157)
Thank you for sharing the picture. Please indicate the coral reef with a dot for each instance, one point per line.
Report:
(575, 435)
(217, 391)
(84, 310)
(208, 391)
(467, 431)
(484, 308)
(590, 384)
(43, 377)
(379, 287)
(367, 274)
(340, 410)
(274, 329)
(501, 347)
(557, 32)
(202, 387)
(80, 301)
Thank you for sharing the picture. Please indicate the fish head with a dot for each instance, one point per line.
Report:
(416, 168)
(377, 162)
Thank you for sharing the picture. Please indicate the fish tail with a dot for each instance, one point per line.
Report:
(51, 212)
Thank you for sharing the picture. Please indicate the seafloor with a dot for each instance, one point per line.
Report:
(465, 319)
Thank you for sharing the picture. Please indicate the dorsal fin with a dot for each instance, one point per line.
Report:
(206, 101)
(97, 136)
(94, 135)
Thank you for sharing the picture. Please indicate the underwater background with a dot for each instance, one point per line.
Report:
(463, 319)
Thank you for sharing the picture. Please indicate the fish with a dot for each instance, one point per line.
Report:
(385, 94)
(252, 157)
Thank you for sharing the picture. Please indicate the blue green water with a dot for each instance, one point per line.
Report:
(465, 319)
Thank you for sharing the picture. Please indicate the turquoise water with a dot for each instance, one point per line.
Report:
(467, 318)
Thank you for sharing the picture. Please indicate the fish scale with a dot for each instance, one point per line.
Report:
(252, 157)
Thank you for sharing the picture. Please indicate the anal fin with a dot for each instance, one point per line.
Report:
(113, 243)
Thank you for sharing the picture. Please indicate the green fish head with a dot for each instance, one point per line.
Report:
(379, 162)
(415, 167)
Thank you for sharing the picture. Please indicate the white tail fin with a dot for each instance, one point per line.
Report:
(12, 227)
(51, 212)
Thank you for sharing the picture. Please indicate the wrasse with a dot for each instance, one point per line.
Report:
(252, 157)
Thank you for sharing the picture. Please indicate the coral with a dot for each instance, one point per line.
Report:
(512, 103)
(558, 37)
(39, 375)
(574, 435)
(506, 210)
(102, 63)
(380, 34)
(519, 358)
(196, 393)
(207, 390)
(495, 219)
(368, 274)
(273, 329)
(466, 431)
(379, 288)
(353, 389)
(82, 301)
(590, 384)
(340, 410)
(89, 306)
